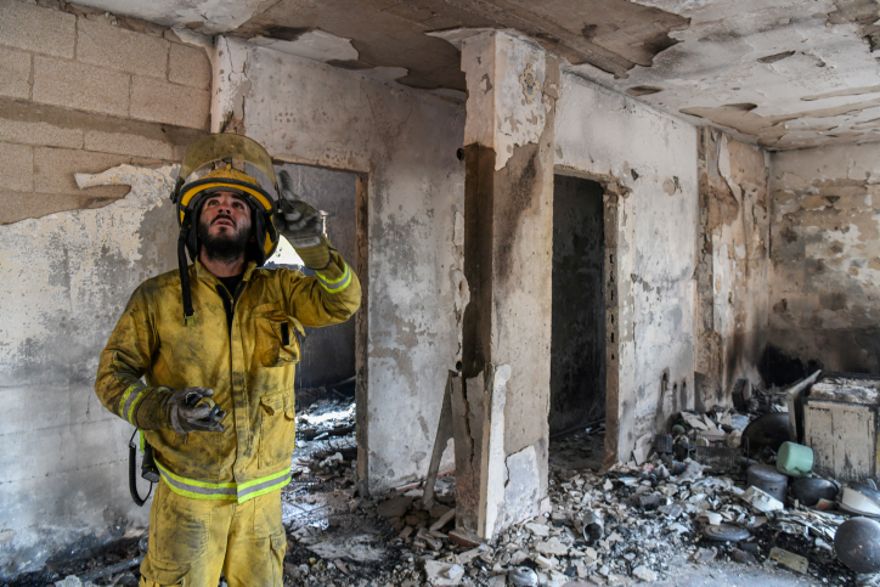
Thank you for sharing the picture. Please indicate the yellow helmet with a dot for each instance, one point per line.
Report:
(229, 163)
(225, 163)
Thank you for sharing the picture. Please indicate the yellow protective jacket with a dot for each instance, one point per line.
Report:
(249, 364)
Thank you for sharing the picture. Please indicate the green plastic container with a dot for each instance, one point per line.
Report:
(794, 460)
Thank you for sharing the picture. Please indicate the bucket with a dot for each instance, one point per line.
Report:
(794, 459)
(768, 479)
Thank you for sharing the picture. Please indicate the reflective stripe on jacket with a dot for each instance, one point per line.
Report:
(249, 364)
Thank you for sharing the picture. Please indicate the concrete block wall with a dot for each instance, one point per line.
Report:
(825, 294)
(79, 93)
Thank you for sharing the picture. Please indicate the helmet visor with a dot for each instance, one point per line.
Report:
(225, 151)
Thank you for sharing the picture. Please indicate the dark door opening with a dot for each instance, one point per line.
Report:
(327, 363)
(577, 375)
(328, 398)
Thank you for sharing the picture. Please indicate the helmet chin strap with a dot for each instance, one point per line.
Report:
(183, 267)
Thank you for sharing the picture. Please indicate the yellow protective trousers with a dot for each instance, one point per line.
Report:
(191, 541)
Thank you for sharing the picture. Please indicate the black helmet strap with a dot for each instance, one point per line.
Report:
(183, 267)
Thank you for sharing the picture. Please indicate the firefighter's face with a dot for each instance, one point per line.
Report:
(224, 225)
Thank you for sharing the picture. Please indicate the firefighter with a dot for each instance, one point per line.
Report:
(202, 360)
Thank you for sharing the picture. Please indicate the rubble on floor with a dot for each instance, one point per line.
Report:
(683, 504)
(635, 523)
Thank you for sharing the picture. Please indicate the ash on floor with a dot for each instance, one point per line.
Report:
(664, 521)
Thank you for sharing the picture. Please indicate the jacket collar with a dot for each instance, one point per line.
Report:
(203, 274)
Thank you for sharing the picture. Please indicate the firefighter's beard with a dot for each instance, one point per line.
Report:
(226, 246)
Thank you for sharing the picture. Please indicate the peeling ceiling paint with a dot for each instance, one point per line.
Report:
(805, 68)
(312, 44)
(782, 73)
(207, 16)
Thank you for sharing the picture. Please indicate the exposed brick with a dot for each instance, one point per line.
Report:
(15, 73)
(189, 66)
(127, 144)
(17, 163)
(15, 206)
(54, 126)
(100, 43)
(77, 85)
(37, 29)
(39, 133)
(169, 103)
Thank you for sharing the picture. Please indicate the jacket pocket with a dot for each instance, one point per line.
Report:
(277, 430)
(277, 339)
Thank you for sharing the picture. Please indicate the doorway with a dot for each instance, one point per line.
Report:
(578, 343)
(328, 354)
(330, 379)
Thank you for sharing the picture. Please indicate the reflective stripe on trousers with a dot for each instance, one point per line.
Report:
(225, 491)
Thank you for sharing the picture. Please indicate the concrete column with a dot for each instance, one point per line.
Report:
(512, 89)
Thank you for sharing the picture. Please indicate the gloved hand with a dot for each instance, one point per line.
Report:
(192, 409)
(301, 224)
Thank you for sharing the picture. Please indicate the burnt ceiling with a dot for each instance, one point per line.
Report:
(782, 73)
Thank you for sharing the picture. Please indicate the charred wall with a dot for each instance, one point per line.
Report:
(404, 142)
(826, 256)
(577, 361)
(646, 162)
(733, 268)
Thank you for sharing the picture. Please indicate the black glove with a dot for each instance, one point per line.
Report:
(302, 226)
(192, 409)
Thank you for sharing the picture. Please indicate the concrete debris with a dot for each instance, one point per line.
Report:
(552, 547)
(538, 529)
(631, 523)
(762, 501)
(443, 520)
(645, 574)
(73, 581)
(440, 573)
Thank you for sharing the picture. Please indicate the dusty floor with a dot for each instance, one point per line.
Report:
(651, 531)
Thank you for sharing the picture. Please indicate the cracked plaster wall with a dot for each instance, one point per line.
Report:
(733, 271)
(825, 256)
(649, 159)
(65, 279)
(508, 149)
(405, 142)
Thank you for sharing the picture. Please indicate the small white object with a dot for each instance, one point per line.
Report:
(440, 573)
(761, 500)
